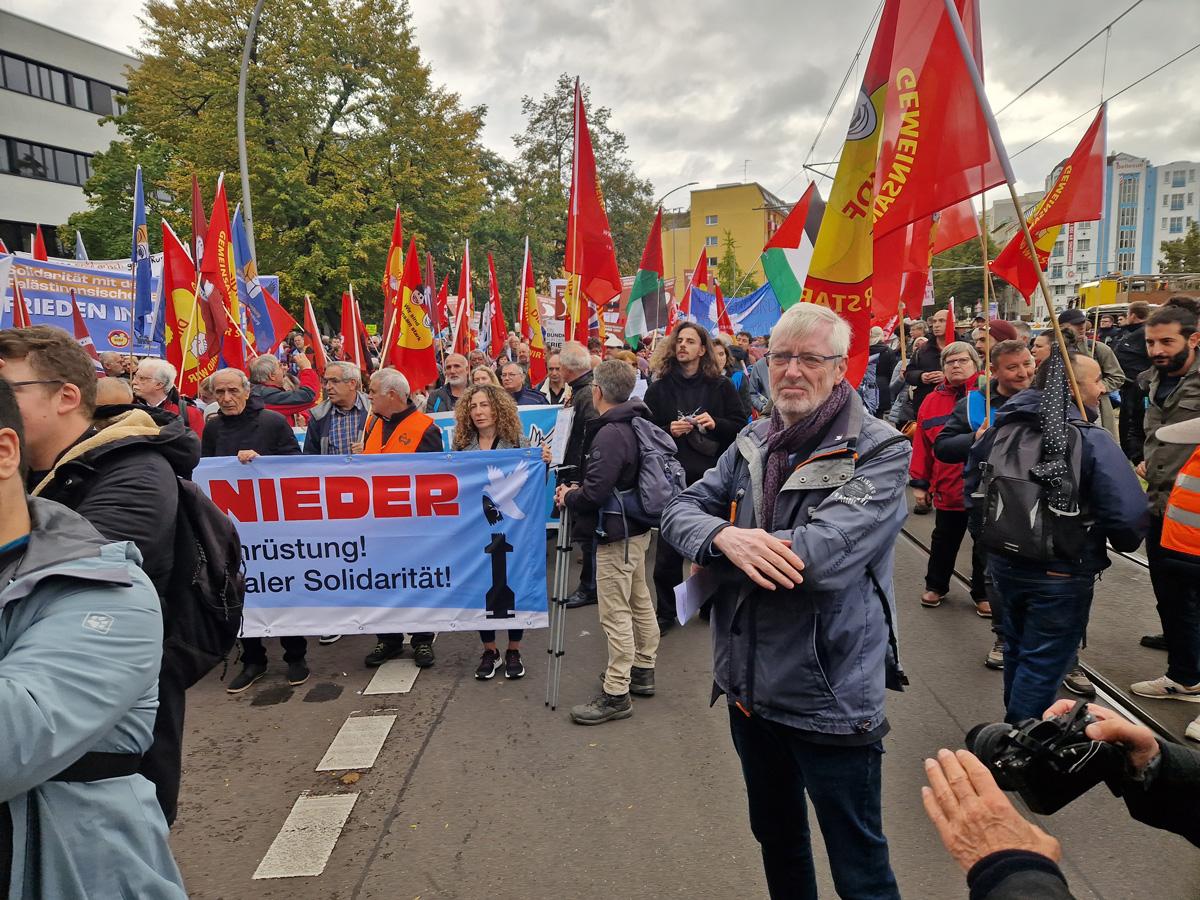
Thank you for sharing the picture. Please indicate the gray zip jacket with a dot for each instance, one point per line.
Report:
(813, 657)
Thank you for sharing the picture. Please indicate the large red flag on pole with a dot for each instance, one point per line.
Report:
(393, 273)
(465, 305)
(352, 348)
(20, 312)
(1077, 195)
(440, 303)
(590, 259)
(84, 337)
(190, 331)
(411, 350)
(313, 334)
(220, 271)
(724, 325)
(531, 321)
(498, 328)
(39, 244)
(698, 281)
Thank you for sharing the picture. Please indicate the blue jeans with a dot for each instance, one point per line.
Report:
(781, 767)
(1044, 620)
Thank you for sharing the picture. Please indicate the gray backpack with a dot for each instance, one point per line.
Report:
(660, 477)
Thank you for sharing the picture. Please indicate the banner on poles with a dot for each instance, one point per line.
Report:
(387, 543)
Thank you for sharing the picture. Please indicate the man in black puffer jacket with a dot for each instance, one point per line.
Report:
(611, 461)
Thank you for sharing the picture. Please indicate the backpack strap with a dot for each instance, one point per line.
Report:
(98, 766)
(879, 448)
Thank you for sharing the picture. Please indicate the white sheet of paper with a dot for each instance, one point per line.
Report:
(691, 594)
(562, 430)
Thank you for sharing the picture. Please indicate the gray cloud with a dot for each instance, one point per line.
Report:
(699, 86)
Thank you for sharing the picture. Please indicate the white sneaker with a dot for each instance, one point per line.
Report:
(1163, 688)
(1193, 730)
(327, 639)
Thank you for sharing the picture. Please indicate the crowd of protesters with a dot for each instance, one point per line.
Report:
(794, 485)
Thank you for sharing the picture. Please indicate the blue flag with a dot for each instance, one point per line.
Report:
(250, 292)
(80, 250)
(143, 298)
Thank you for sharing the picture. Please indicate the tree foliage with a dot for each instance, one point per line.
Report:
(343, 123)
(729, 273)
(965, 285)
(1182, 255)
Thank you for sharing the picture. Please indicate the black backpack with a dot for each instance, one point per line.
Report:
(202, 612)
(1014, 517)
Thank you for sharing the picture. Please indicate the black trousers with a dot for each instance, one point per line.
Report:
(163, 763)
(254, 652)
(949, 526)
(418, 637)
(1132, 424)
(668, 572)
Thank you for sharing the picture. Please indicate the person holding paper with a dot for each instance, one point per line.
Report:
(798, 522)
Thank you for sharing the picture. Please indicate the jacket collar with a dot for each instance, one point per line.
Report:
(1156, 377)
(135, 423)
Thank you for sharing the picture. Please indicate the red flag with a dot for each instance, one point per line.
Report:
(281, 320)
(531, 321)
(903, 257)
(951, 333)
(590, 258)
(495, 314)
(199, 225)
(465, 306)
(412, 351)
(220, 272)
(84, 337)
(352, 348)
(320, 361)
(39, 245)
(936, 148)
(1077, 195)
(724, 326)
(20, 312)
(393, 272)
(672, 315)
(192, 337)
(954, 226)
(3, 247)
(429, 296)
(439, 305)
(364, 339)
(698, 281)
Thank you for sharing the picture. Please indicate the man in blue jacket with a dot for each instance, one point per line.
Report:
(80, 647)
(798, 521)
(1046, 604)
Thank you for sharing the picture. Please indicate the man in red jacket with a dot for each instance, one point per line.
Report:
(932, 479)
(266, 379)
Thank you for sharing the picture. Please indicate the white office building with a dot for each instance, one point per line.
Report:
(55, 90)
(1176, 204)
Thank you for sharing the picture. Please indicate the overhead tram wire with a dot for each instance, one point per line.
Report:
(1114, 96)
(1069, 57)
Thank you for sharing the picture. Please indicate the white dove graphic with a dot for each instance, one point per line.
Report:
(503, 489)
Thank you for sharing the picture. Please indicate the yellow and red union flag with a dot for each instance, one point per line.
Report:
(220, 271)
(393, 270)
(590, 260)
(412, 350)
(531, 322)
(839, 275)
(192, 340)
(1077, 195)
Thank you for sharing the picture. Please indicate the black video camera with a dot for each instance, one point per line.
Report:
(1049, 762)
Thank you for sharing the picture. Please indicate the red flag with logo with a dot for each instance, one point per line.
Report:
(531, 321)
(313, 333)
(724, 326)
(220, 272)
(412, 351)
(190, 331)
(1077, 195)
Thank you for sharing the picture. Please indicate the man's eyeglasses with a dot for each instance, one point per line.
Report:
(809, 361)
(328, 381)
(17, 384)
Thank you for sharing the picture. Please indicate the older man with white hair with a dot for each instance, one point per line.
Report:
(154, 385)
(799, 518)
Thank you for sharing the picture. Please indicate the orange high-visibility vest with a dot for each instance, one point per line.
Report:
(404, 439)
(1181, 522)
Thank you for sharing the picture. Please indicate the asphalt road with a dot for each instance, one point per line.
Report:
(480, 791)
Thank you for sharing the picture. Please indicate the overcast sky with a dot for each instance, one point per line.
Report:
(699, 87)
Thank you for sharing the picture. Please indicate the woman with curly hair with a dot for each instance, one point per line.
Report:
(486, 418)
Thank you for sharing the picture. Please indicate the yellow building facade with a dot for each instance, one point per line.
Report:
(748, 211)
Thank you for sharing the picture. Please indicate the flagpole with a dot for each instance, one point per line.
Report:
(903, 339)
(987, 315)
(1011, 180)
(573, 222)
(251, 29)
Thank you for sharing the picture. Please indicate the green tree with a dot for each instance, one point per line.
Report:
(953, 278)
(529, 195)
(1181, 255)
(729, 273)
(343, 123)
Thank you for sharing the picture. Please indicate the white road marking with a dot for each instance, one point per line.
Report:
(396, 676)
(357, 744)
(307, 838)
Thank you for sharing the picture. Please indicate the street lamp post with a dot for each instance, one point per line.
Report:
(674, 257)
(241, 124)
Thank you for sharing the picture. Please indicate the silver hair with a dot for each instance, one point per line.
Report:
(160, 370)
(348, 370)
(393, 380)
(804, 319)
(615, 379)
(574, 356)
(262, 368)
(956, 347)
(238, 372)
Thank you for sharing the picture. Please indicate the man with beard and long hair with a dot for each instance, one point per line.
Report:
(1174, 392)
(691, 400)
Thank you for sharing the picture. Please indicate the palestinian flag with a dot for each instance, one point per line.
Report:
(647, 309)
(787, 254)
